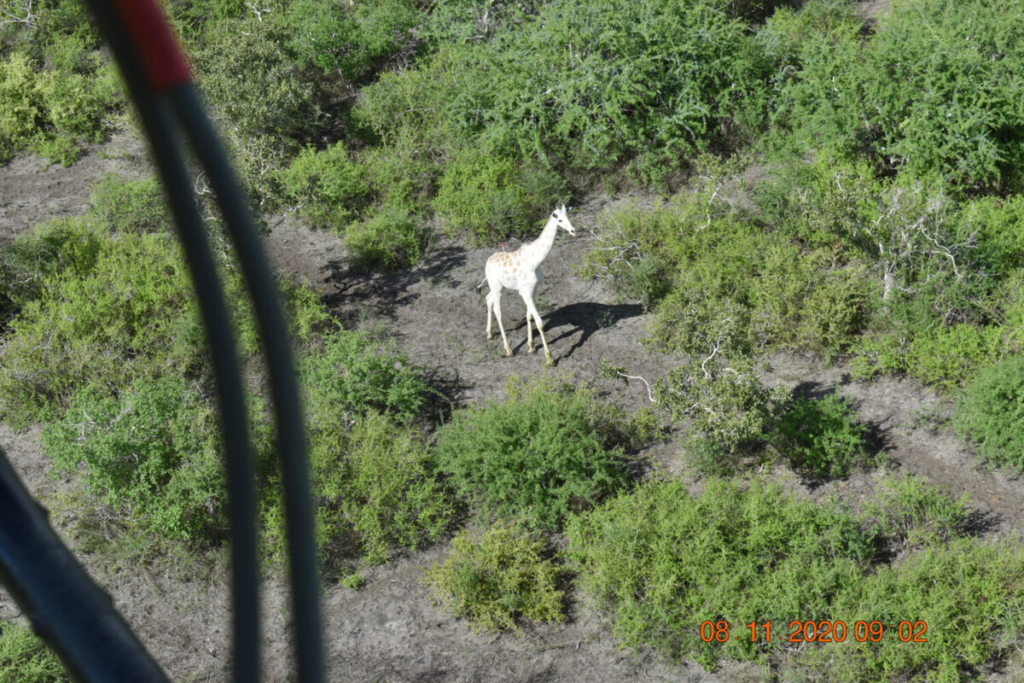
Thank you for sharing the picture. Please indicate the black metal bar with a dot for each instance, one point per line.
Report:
(158, 122)
(287, 405)
(65, 607)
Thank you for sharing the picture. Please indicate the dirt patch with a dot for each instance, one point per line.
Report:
(33, 191)
(872, 10)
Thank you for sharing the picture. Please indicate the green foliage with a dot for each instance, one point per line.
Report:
(730, 410)
(918, 514)
(389, 240)
(150, 453)
(488, 195)
(106, 310)
(51, 111)
(354, 374)
(353, 39)
(923, 94)
(25, 658)
(62, 245)
(991, 411)
(544, 452)
(966, 593)
(821, 437)
(131, 205)
(329, 185)
(246, 74)
(661, 561)
(376, 491)
(497, 580)
(590, 85)
(129, 315)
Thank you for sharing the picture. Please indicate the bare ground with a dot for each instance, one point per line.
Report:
(388, 631)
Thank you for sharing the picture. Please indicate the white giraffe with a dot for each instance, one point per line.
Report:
(518, 270)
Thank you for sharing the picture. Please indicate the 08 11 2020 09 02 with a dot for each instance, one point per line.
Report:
(818, 632)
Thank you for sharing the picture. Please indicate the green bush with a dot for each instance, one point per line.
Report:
(967, 593)
(489, 196)
(821, 437)
(375, 491)
(151, 454)
(247, 75)
(131, 205)
(351, 39)
(991, 412)
(50, 111)
(918, 514)
(129, 315)
(662, 561)
(355, 374)
(25, 658)
(62, 245)
(921, 95)
(588, 85)
(329, 185)
(731, 411)
(497, 580)
(544, 452)
(109, 309)
(390, 239)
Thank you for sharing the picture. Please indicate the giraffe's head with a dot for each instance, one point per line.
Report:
(561, 217)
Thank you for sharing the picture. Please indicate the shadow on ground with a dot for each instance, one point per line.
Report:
(586, 318)
(386, 293)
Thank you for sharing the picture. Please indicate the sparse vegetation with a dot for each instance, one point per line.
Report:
(805, 182)
(497, 580)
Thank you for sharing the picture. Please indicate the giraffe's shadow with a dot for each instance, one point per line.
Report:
(586, 318)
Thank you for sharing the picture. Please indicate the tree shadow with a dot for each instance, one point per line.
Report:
(357, 288)
(587, 317)
(447, 392)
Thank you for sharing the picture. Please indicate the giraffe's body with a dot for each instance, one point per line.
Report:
(519, 271)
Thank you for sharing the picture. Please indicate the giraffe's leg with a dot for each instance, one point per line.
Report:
(529, 333)
(532, 310)
(490, 305)
(497, 314)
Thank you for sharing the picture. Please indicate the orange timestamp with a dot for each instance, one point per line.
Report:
(818, 632)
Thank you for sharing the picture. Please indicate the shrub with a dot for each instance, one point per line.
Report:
(588, 85)
(129, 315)
(497, 580)
(351, 39)
(492, 196)
(821, 437)
(24, 657)
(150, 453)
(731, 411)
(131, 205)
(329, 185)
(375, 490)
(918, 514)
(544, 452)
(662, 561)
(246, 74)
(388, 240)
(109, 309)
(991, 411)
(355, 374)
(919, 96)
(51, 111)
(62, 245)
(966, 593)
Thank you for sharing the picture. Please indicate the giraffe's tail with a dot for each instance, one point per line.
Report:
(481, 283)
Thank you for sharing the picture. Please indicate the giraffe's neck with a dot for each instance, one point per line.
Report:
(537, 251)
